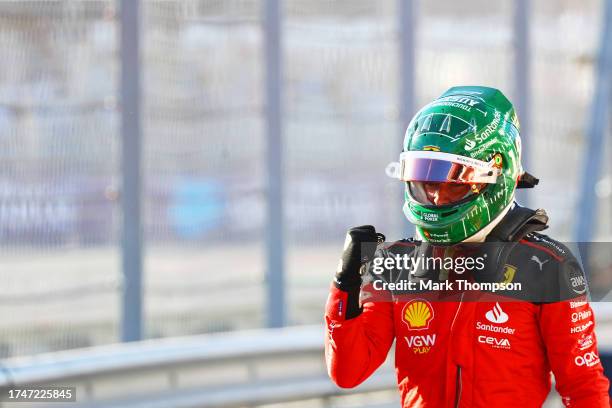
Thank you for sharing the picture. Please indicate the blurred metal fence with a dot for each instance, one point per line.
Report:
(223, 370)
(58, 168)
(273, 367)
(204, 148)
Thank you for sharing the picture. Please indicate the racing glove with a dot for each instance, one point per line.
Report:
(359, 249)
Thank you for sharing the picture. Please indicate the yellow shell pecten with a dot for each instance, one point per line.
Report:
(417, 314)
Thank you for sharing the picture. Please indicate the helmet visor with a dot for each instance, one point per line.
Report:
(442, 194)
(438, 167)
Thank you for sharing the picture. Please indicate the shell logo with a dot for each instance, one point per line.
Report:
(417, 314)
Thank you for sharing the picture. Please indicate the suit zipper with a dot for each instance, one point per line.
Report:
(458, 387)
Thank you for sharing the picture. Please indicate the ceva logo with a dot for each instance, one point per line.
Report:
(495, 342)
(497, 315)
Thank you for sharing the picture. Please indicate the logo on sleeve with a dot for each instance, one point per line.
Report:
(497, 315)
(587, 359)
(574, 305)
(585, 342)
(575, 278)
(578, 283)
(581, 328)
(417, 314)
(582, 315)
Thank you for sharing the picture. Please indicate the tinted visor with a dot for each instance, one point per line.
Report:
(436, 167)
(436, 171)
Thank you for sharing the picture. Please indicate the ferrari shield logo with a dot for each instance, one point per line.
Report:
(509, 272)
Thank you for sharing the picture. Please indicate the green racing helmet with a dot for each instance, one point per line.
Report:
(461, 162)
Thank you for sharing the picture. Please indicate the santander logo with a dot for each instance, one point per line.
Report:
(497, 315)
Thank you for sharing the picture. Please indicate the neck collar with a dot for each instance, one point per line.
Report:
(517, 223)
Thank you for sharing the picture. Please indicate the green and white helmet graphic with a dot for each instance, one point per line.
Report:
(461, 162)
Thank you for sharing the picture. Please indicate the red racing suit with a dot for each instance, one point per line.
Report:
(486, 353)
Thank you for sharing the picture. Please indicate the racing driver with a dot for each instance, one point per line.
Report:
(461, 165)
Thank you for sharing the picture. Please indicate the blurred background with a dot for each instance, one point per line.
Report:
(220, 170)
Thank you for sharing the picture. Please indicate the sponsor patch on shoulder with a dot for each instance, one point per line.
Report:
(576, 280)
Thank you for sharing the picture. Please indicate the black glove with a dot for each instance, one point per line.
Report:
(359, 248)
